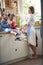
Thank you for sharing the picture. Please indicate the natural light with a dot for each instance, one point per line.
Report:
(35, 3)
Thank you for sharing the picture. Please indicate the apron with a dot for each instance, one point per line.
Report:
(31, 36)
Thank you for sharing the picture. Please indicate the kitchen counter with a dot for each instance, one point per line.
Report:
(12, 50)
(5, 33)
(37, 27)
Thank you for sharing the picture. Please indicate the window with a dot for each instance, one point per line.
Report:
(36, 4)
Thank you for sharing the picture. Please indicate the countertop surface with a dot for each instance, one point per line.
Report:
(36, 27)
(6, 33)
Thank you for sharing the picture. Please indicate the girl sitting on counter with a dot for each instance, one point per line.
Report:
(5, 26)
(11, 22)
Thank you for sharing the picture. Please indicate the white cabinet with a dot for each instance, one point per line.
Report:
(11, 49)
(39, 48)
(0, 48)
(4, 47)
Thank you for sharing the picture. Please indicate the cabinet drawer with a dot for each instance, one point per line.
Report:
(11, 49)
(21, 49)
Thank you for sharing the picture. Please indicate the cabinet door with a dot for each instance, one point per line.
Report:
(8, 3)
(7, 48)
(16, 49)
(0, 47)
(21, 49)
(11, 49)
(4, 50)
(39, 48)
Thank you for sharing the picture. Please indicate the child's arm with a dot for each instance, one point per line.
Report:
(23, 27)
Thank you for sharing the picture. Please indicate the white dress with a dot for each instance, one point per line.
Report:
(32, 38)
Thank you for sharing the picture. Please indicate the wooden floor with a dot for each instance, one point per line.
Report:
(28, 61)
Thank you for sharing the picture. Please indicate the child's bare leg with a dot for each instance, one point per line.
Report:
(13, 32)
(33, 49)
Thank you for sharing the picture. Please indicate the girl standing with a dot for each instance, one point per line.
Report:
(31, 30)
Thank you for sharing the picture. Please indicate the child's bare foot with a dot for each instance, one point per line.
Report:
(34, 56)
